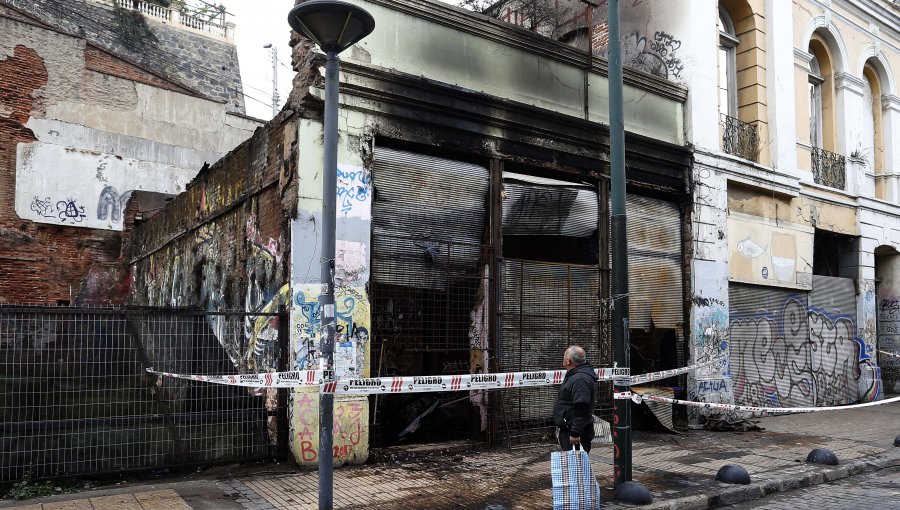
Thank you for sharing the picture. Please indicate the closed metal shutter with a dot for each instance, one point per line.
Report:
(769, 346)
(834, 352)
(540, 206)
(427, 218)
(655, 278)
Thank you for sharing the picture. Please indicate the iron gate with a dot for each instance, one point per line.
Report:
(76, 399)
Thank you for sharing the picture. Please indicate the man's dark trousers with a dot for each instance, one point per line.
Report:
(586, 438)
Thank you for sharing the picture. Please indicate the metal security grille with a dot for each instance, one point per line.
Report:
(545, 308)
(430, 286)
(75, 397)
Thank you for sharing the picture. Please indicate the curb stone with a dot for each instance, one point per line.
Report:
(756, 490)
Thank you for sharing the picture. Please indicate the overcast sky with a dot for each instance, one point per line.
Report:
(261, 22)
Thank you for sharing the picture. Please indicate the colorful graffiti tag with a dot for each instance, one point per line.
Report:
(351, 345)
(801, 356)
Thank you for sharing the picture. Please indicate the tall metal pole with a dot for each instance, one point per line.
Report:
(622, 423)
(326, 298)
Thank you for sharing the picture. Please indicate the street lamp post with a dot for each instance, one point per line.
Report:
(334, 26)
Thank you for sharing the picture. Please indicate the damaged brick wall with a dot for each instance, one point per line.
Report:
(43, 264)
(80, 128)
(224, 244)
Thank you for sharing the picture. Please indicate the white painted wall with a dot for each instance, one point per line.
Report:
(89, 158)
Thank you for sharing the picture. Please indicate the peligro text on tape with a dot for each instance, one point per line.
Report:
(664, 374)
(462, 382)
(290, 379)
(638, 398)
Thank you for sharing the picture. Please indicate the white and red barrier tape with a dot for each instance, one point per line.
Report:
(638, 398)
(416, 384)
(292, 379)
(665, 374)
(420, 384)
(891, 354)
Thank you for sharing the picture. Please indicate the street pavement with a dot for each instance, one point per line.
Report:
(876, 490)
(679, 470)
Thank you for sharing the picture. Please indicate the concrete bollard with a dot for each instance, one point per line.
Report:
(634, 493)
(732, 473)
(822, 456)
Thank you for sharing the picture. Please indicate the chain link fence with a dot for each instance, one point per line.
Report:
(76, 397)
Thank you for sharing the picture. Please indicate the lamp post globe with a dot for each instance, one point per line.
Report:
(333, 25)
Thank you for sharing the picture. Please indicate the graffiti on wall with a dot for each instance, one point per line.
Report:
(351, 344)
(350, 431)
(889, 338)
(656, 55)
(93, 189)
(799, 356)
(710, 342)
(354, 191)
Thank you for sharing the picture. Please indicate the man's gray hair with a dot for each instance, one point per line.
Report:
(576, 354)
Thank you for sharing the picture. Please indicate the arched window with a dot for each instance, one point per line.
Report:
(728, 42)
(815, 82)
(871, 138)
(827, 167)
(740, 114)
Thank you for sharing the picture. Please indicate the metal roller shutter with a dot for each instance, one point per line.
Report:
(834, 352)
(427, 219)
(655, 278)
(769, 345)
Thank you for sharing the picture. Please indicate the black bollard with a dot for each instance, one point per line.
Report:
(634, 493)
(732, 473)
(897, 441)
(822, 456)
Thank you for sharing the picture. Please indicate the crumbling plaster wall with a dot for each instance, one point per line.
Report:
(79, 130)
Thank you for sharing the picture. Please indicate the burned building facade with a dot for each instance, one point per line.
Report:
(472, 229)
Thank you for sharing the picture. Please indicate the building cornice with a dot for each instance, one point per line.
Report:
(492, 29)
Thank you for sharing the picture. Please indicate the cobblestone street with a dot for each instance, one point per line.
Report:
(879, 490)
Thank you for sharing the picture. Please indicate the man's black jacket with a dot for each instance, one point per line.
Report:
(572, 410)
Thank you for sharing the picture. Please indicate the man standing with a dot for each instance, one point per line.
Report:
(572, 411)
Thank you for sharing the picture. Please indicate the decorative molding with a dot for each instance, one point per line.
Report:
(890, 102)
(802, 59)
(839, 54)
(882, 65)
(847, 81)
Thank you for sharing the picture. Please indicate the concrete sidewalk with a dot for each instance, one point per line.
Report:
(679, 469)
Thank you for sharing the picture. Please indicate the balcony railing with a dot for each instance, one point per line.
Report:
(828, 168)
(740, 138)
(215, 27)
